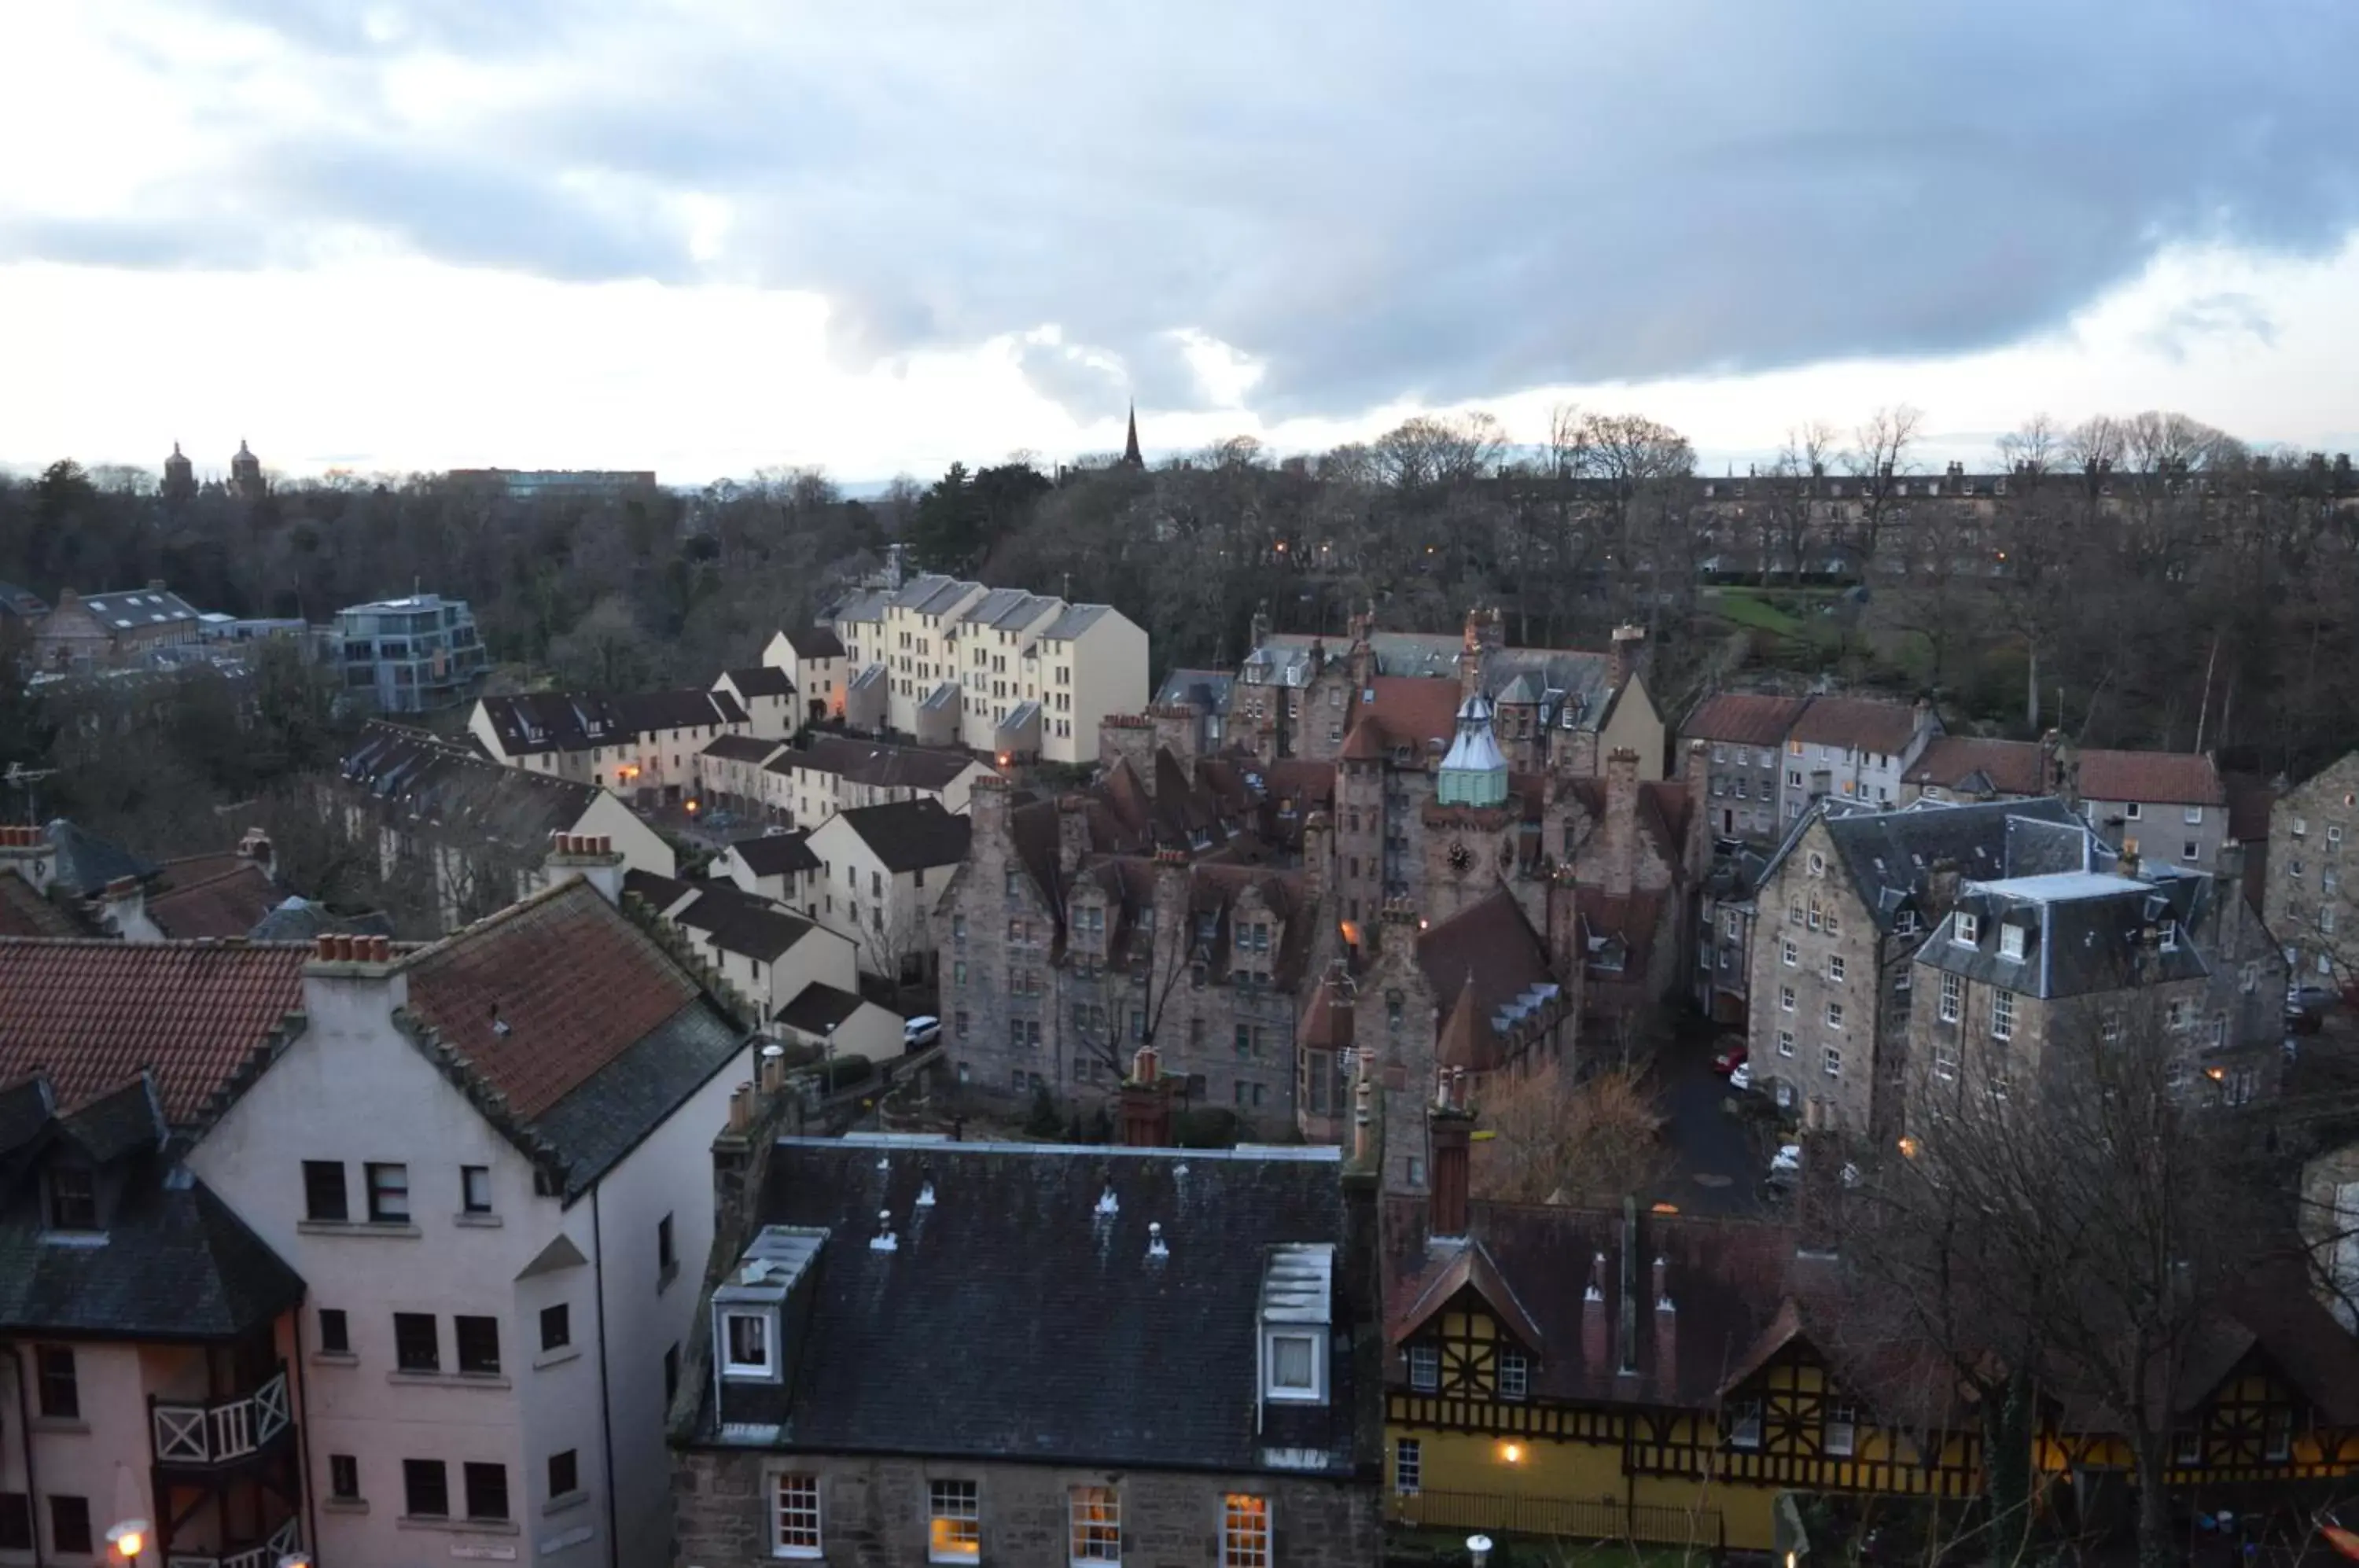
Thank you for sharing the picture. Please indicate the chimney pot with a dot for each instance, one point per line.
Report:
(327, 948)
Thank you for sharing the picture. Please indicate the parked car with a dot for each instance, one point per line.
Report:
(1730, 1057)
(2305, 1008)
(921, 1030)
(1741, 1079)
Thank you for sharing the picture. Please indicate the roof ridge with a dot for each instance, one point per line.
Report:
(498, 917)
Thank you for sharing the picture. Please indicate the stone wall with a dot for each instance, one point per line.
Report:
(1801, 1063)
(873, 1511)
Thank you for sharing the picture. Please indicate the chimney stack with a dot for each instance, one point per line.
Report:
(1621, 826)
(592, 859)
(1363, 1128)
(1072, 834)
(1667, 1332)
(1626, 1339)
(1593, 1341)
(1318, 854)
(1146, 1103)
(1629, 648)
(1819, 1200)
(29, 851)
(122, 909)
(1448, 1130)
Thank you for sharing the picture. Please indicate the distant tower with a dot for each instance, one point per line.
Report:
(179, 476)
(245, 475)
(1130, 457)
(1475, 772)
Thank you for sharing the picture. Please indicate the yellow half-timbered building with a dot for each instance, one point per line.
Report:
(1607, 1374)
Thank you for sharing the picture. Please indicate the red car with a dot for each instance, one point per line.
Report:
(1730, 1058)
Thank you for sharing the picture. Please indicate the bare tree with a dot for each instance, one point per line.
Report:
(1553, 1140)
(1879, 459)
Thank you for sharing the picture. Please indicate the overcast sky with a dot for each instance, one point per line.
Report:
(704, 236)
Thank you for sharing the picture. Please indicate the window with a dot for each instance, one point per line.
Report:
(2190, 851)
(1818, 863)
(475, 1189)
(425, 1490)
(1834, 923)
(73, 1198)
(1244, 1531)
(1953, 994)
(1841, 1427)
(344, 1477)
(1785, 1042)
(487, 1491)
(1424, 1368)
(1788, 954)
(15, 1521)
(1294, 1366)
(1794, 914)
(671, 1372)
(323, 1190)
(748, 1337)
(389, 1194)
(1835, 967)
(667, 1261)
(1817, 919)
(1515, 1375)
(564, 1473)
(2002, 1014)
(2187, 1448)
(1786, 997)
(415, 1347)
(2010, 943)
(1741, 1422)
(1409, 1466)
(796, 1501)
(69, 1525)
(335, 1334)
(954, 1532)
(1969, 929)
(2131, 811)
(1834, 1015)
(2277, 1436)
(60, 1384)
(479, 1344)
(1830, 1059)
(1945, 1059)
(1095, 1516)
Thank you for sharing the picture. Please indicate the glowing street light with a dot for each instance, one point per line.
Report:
(125, 1540)
(1479, 1548)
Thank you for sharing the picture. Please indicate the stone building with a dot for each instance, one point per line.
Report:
(1842, 909)
(1142, 913)
(2161, 806)
(2309, 904)
(2025, 967)
(1744, 740)
(874, 1386)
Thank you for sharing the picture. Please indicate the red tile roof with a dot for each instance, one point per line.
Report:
(574, 981)
(1743, 719)
(2159, 778)
(90, 1014)
(229, 902)
(1864, 723)
(1411, 709)
(2011, 766)
(25, 911)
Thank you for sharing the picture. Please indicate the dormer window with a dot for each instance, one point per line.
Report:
(73, 1198)
(1515, 1375)
(749, 1347)
(2010, 943)
(2170, 936)
(1294, 1367)
(1969, 930)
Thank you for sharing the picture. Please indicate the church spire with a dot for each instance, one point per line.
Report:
(1130, 457)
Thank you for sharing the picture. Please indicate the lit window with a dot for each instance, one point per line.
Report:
(1515, 1375)
(954, 1528)
(1095, 1513)
(1424, 1368)
(1409, 1466)
(1742, 1422)
(2002, 1014)
(1842, 1428)
(798, 1517)
(1244, 1531)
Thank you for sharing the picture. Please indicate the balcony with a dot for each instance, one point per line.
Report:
(1605, 1518)
(283, 1540)
(220, 1432)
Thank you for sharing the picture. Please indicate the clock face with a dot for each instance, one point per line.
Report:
(1461, 857)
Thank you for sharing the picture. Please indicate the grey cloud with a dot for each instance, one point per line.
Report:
(1378, 202)
(2226, 315)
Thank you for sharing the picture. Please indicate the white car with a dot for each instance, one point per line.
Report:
(1787, 1160)
(1742, 1078)
(923, 1029)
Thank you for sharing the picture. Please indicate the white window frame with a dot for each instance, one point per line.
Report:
(1830, 1061)
(1424, 1368)
(1316, 1394)
(1818, 863)
(1741, 1421)
(1094, 1524)
(1789, 954)
(1836, 968)
(2010, 941)
(1785, 1042)
(1840, 1436)
(1945, 1059)
(1968, 930)
(763, 1371)
(1409, 1466)
(2131, 811)
(1514, 1378)
(2193, 816)
(2002, 1014)
(1245, 1533)
(966, 1546)
(1785, 999)
(1834, 1015)
(780, 1509)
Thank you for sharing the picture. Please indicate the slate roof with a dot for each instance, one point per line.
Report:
(531, 722)
(1081, 1322)
(1890, 854)
(132, 609)
(819, 1008)
(931, 593)
(1488, 960)
(760, 681)
(661, 892)
(422, 778)
(1208, 690)
(90, 1014)
(1076, 620)
(907, 834)
(875, 763)
(204, 898)
(741, 922)
(21, 603)
(604, 1034)
(815, 642)
(741, 748)
(1741, 718)
(2081, 933)
(777, 855)
(86, 863)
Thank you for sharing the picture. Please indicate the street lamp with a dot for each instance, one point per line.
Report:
(296, 1560)
(125, 1541)
(1479, 1548)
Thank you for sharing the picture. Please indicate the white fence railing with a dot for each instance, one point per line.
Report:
(221, 1430)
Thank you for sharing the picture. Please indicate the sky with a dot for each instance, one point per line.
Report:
(709, 236)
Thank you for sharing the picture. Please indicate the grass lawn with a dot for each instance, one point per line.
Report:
(1744, 608)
